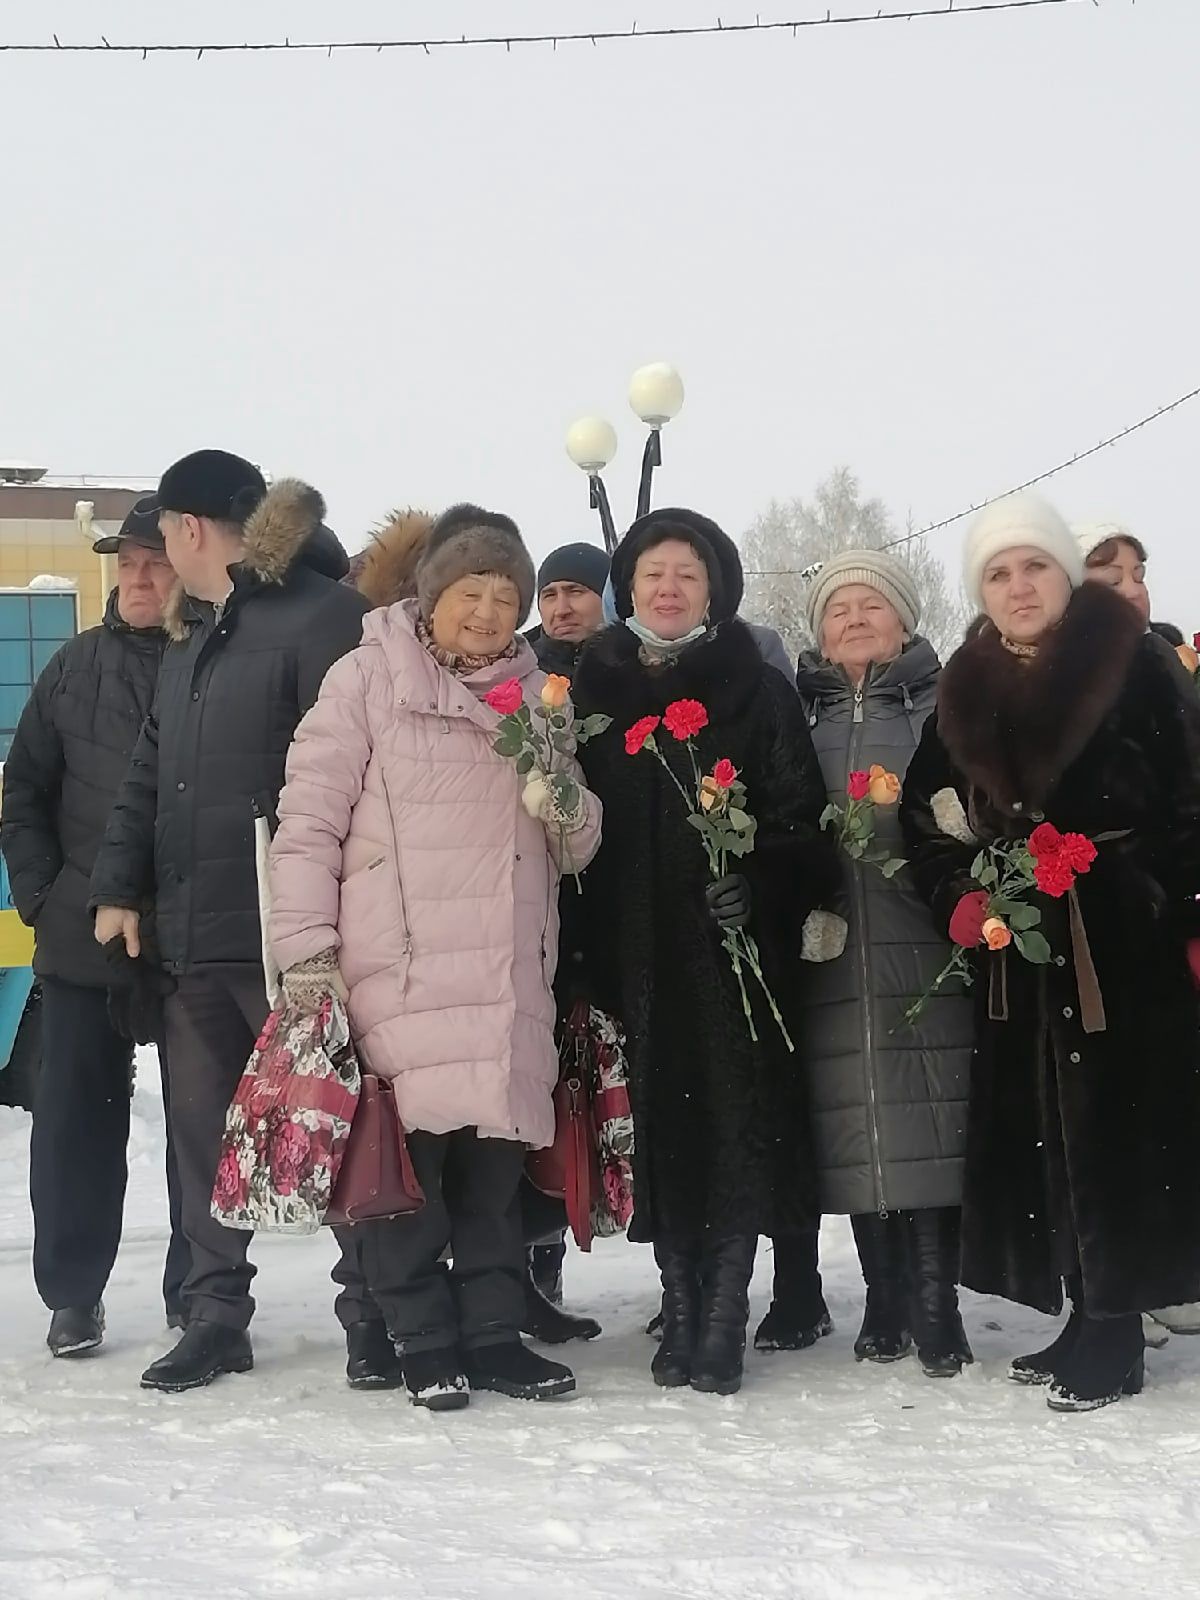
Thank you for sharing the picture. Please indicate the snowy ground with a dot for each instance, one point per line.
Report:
(822, 1480)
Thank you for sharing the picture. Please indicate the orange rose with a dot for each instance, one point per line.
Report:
(997, 934)
(884, 787)
(1188, 656)
(712, 795)
(556, 692)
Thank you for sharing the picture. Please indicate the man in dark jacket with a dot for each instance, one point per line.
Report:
(571, 603)
(68, 759)
(256, 621)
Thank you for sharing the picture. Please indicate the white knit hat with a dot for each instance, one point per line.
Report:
(875, 568)
(1090, 536)
(1018, 519)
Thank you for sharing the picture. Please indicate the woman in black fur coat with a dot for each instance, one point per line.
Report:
(1084, 1120)
(722, 1141)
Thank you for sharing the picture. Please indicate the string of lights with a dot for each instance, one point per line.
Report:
(594, 36)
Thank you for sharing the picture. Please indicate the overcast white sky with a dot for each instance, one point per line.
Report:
(946, 252)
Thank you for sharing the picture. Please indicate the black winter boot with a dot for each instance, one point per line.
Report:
(798, 1315)
(679, 1265)
(76, 1331)
(548, 1323)
(942, 1347)
(206, 1350)
(371, 1359)
(886, 1332)
(514, 1369)
(546, 1269)
(435, 1380)
(1107, 1361)
(725, 1272)
(1043, 1366)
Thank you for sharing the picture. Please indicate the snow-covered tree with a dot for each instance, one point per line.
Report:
(792, 537)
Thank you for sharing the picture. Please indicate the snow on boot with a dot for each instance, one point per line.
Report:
(206, 1350)
(1108, 1361)
(435, 1380)
(882, 1243)
(942, 1346)
(76, 1330)
(725, 1273)
(548, 1323)
(679, 1266)
(371, 1359)
(514, 1369)
(1044, 1366)
(798, 1316)
(1156, 1336)
(1179, 1319)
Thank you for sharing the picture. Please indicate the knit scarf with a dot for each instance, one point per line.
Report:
(461, 666)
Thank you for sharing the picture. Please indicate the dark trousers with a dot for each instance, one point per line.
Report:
(213, 1021)
(77, 1154)
(472, 1207)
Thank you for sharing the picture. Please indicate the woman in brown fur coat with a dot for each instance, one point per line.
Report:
(1084, 1117)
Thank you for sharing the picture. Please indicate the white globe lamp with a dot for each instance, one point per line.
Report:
(656, 393)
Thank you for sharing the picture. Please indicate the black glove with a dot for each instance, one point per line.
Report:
(729, 901)
(135, 999)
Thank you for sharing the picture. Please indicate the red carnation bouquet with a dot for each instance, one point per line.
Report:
(717, 811)
(998, 912)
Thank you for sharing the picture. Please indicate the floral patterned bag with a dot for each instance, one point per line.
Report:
(287, 1126)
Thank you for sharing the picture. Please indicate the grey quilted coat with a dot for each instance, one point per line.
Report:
(888, 1098)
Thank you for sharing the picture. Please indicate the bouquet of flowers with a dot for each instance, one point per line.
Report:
(852, 820)
(1189, 654)
(536, 746)
(998, 913)
(717, 811)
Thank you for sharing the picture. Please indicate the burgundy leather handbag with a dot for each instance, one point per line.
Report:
(376, 1179)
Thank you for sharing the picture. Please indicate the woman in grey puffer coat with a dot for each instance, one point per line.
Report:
(888, 1097)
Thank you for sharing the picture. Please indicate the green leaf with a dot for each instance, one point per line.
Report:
(830, 814)
(741, 820)
(978, 865)
(1034, 947)
(525, 763)
(700, 824)
(592, 728)
(892, 867)
(1022, 918)
(739, 846)
(989, 877)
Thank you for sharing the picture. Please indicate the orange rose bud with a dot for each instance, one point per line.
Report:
(712, 795)
(1188, 656)
(997, 934)
(884, 787)
(556, 692)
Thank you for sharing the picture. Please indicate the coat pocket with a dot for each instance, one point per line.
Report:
(373, 924)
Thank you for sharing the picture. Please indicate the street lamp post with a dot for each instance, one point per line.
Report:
(656, 395)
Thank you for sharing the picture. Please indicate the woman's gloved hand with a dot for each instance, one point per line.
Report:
(729, 901)
(307, 984)
(555, 802)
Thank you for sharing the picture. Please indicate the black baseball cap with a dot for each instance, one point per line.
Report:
(140, 527)
(211, 483)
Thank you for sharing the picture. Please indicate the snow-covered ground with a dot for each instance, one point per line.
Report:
(822, 1480)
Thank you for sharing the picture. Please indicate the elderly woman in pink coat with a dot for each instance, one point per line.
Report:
(412, 873)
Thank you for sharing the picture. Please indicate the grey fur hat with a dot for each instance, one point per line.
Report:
(466, 539)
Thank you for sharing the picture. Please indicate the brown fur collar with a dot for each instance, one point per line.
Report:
(285, 518)
(1014, 726)
(386, 571)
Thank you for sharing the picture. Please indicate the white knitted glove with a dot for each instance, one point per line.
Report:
(306, 984)
(823, 937)
(543, 800)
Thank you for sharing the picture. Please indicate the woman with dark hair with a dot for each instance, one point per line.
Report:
(721, 1132)
(1115, 556)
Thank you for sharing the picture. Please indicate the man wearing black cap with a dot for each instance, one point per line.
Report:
(257, 619)
(571, 602)
(67, 762)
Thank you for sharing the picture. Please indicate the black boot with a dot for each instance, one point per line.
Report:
(436, 1381)
(942, 1347)
(1043, 1366)
(679, 1265)
(206, 1351)
(546, 1269)
(654, 1327)
(548, 1323)
(76, 1331)
(886, 1332)
(371, 1359)
(514, 1369)
(798, 1315)
(1108, 1360)
(725, 1275)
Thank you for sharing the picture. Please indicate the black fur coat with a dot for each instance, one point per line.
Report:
(1082, 1147)
(721, 1128)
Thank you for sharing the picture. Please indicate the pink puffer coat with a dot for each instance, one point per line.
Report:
(403, 841)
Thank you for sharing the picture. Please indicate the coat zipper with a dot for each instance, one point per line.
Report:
(864, 962)
(408, 938)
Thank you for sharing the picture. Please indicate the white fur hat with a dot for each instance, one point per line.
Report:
(1090, 536)
(1018, 519)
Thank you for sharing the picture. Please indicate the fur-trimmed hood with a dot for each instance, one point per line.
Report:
(723, 670)
(386, 571)
(1014, 725)
(287, 526)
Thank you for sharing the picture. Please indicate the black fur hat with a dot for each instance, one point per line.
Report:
(466, 539)
(714, 547)
(214, 484)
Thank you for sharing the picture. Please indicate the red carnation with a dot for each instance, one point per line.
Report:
(1054, 876)
(685, 719)
(725, 774)
(1045, 842)
(859, 785)
(970, 914)
(506, 698)
(636, 737)
(1078, 851)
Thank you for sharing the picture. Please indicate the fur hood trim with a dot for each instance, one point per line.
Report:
(723, 670)
(1013, 726)
(386, 571)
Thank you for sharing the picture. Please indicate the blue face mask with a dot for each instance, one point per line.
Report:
(655, 645)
